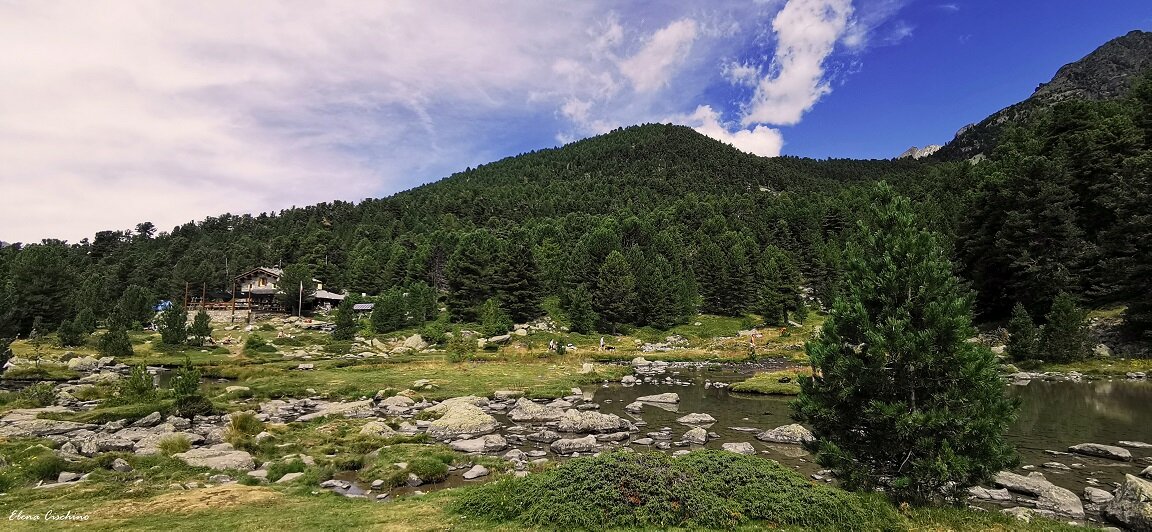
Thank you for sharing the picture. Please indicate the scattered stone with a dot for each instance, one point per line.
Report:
(504, 395)
(67, 476)
(213, 458)
(1020, 513)
(628, 380)
(660, 398)
(461, 418)
(793, 433)
(1056, 465)
(477, 471)
(644, 441)
(377, 428)
(306, 367)
(121, 465)
(528, 411)
(1132, 505)
(335, 484)
(591, 422)
(1103, 451)
(149, 420)
(234, 389)
(1136, 444)
(543, 436)
(634, 408)
(739, 448)
(222, 479)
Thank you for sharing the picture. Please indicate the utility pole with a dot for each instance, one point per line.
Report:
(300, 302)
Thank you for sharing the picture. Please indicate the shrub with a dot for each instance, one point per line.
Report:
(201, 329)
(186, 390)
(38, 395)
(428, 469)
(245, 423)
(461, 347)
(45, 467)
(137, 388)
(279, 469)
(703, 489)
(115, 343)
(256, 344)
(173, 325)
(71, 334)
(1065, 337)
(174, 443)
(288, 342)
(1023, 338)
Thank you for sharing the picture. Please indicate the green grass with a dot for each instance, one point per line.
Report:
(1103, 367)
(768, 383)
(130, 412)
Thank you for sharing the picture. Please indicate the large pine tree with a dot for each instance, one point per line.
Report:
(898, 398)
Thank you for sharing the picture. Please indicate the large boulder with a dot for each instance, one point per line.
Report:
(221, 456)
(1101, 450)
(591, 422)
(660, 398)
(396, 400)
(85, 364)
(461, 418)
(363, 408)
(528, 411)
(793, 433)
(739, 448)
(447, 404)
(696, 419)
(1132, 506)
(415, 343)
(1048, 495)
(377, 428)
(696, 436)
(484, 444)
(574, 445)
(33, 428)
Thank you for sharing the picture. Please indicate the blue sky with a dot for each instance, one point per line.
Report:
(117, 112)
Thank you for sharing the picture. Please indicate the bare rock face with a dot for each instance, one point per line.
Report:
(1048, 495)
(1132, 506)
(793, 433)
(461, 418)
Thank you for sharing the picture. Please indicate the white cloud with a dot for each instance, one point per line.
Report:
(651, 68)
(760, 140)
(806, 32)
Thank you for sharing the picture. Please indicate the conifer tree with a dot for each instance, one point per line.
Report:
(1023, 336)
(582, 317)
(493, 320)
(115, 343)
(898, 398)
(201, 329)
(295, 290)
(173, 325)
(388, 313)
(71, 334)
(345, 322)
(615, 291)
(1065, 336)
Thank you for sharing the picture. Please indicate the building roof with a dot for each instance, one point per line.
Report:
(363, 306)
(324, 294)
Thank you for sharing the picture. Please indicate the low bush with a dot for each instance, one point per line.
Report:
(279, 469)
(175, 443)
(703, 489)
(773, 383)
(37, 395)
(429, 469)
(256, 344)
(288, 342)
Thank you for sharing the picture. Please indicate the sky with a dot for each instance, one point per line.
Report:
(118, 112)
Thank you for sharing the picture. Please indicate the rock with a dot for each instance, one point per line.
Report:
(1132, 505)
(504, 395)
(595, 422)
(363, 408)
(499, 339)
(696, 436)
(1048, 495)
(121, 465)
(640, 362)
(477, 471)
(262, 474)
(396, 401)
(1102, 351)
(484, 444)
(236, 389)
(213, 458)
(221, 479)
(697, 419)
(1020, 513)
(660, 398)
(520, 332)
(306, 367)
(289, 477)
(179, 423)
(528, 411)
(543, 436)
(793, 433)
(377, 428)
(1097, 495)
(634, 408)
(614, 436)
(415, 343)
(1147, 472)
(739, 448)
(1056, 465)
(1101, 450)
(149, 420)
(628, 380)
(335, 484)
(85, 364)
(587, 368)
(644, 441)
(462, 418)
(574, 445)
(67, 476)
(1136, 444)
(423, 384)
(414, 480)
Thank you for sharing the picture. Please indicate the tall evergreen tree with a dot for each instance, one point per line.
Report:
(137, 306)
(173, 325)
(898, 398)
(615, 291)
(1065, 337)
(1023, 337)
(345, 322)
(582, 317)
(296, 290)
(388, 313)
(201, 328)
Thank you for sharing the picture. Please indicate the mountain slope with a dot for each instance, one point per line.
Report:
(1108, 73)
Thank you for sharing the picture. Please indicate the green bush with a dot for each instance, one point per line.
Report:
(428, 469)
(287, 342)
(256, 344)
(338, 347)
(115, 343)
(135, 389)
(38, 395)
(71, 334)
(45, 467)
(703, 489)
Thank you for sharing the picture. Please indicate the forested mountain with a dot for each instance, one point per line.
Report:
(648, 225)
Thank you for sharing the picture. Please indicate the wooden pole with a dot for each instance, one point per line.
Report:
(203, 295)
(232, 318)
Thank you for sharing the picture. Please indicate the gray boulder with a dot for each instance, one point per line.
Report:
(150, 420)
(696, 436)
(1048, 495)
(30, 428)
(477, 471)
(1101, 450)
(793, 433)
(461, 418)
(1097, 495)
(696, 419)
(484, 444)
(634, 407)
(660, 398)
(543, 436)
(739, 448)
(377, 428)
(530, 412)
(1132, 506)
(591, 422)
(218, 457)
(574, 445)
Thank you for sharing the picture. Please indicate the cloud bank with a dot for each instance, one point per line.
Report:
(121, 112)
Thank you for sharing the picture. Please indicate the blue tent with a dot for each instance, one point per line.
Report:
(164, 305)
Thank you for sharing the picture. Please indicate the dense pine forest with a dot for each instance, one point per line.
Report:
(652, 224)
